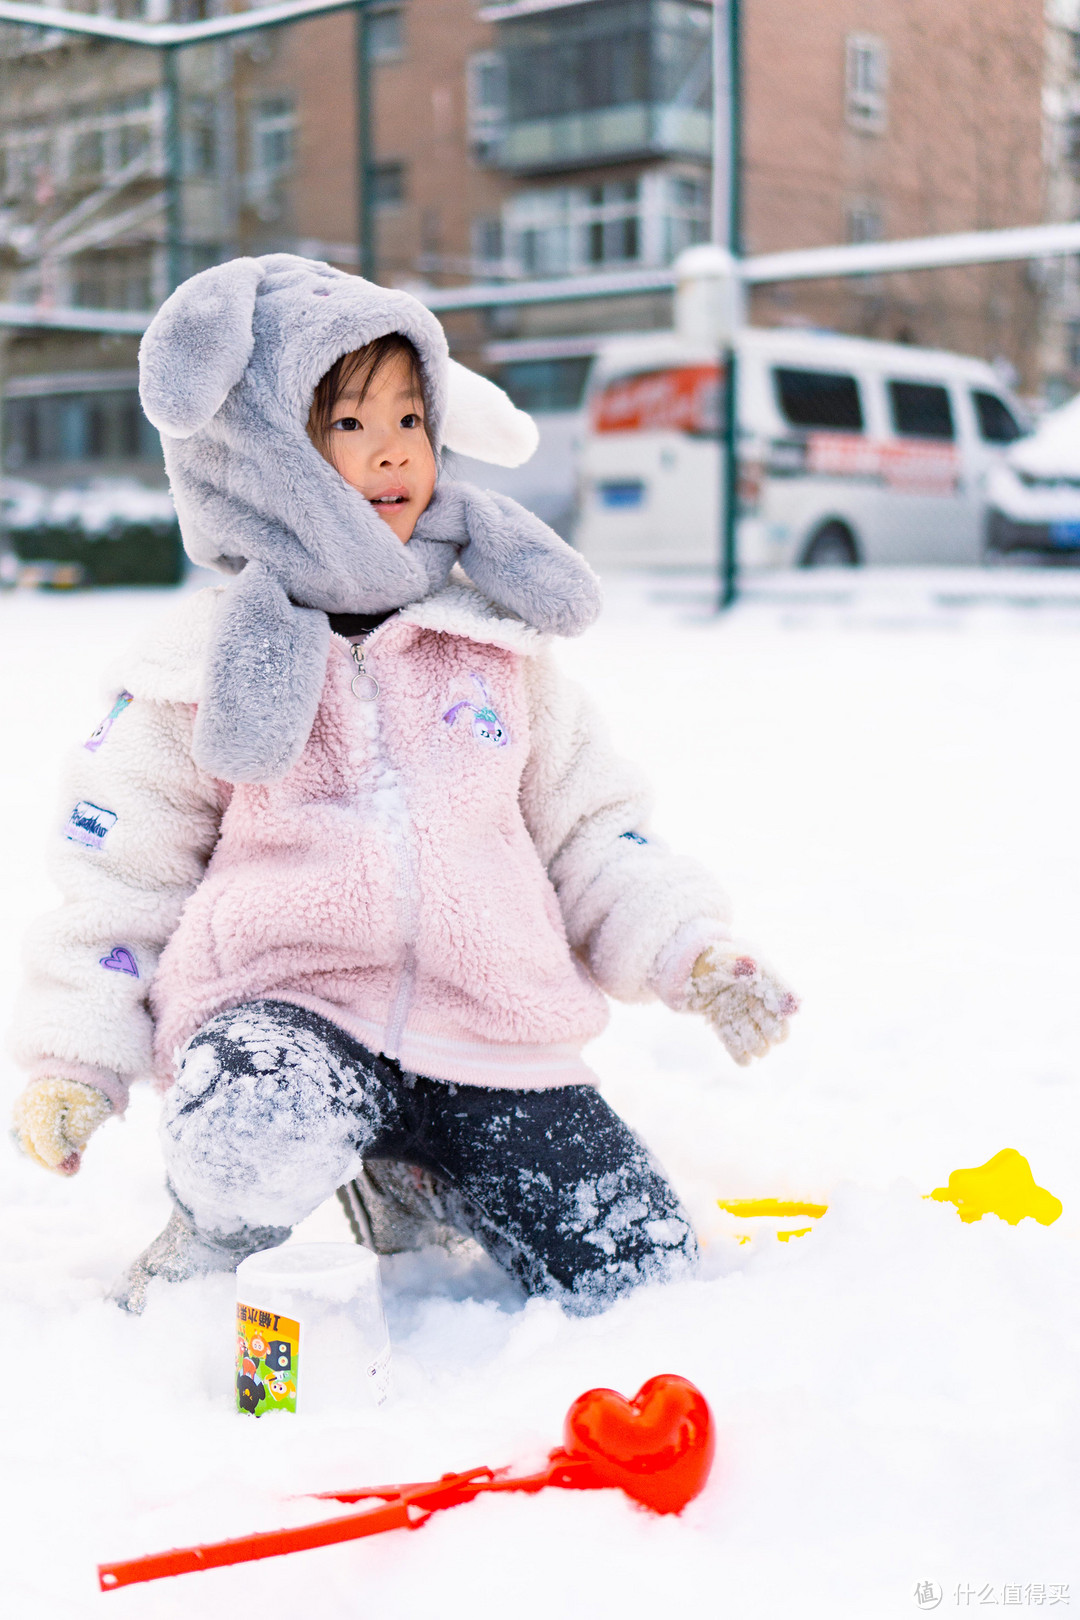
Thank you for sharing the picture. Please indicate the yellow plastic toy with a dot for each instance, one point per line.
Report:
(1003, 1186)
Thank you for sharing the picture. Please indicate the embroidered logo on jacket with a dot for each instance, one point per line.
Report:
(486, 725)
(120, 960)
(89, 824)
(100, 732)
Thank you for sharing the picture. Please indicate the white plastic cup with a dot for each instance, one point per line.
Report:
(311, 1333)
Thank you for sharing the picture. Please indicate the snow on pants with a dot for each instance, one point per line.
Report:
(274, 1108)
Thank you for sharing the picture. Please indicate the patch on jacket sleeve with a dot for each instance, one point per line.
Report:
(101, 731)
(487, 728)
(89, 824)
(634, 837)
(121, 960)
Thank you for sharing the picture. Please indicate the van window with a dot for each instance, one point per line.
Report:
(819, 399)
(997, 424)
(921, 410)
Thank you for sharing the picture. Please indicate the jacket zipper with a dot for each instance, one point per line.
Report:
(366, 688)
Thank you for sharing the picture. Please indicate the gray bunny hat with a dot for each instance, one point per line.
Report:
(228, 369)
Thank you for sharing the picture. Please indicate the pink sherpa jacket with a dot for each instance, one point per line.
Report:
(454, 872)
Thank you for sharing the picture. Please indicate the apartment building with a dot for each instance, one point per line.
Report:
(521, 139)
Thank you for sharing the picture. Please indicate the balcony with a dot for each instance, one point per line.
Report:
(599, 82)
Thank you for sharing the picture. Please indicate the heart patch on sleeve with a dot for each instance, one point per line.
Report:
(121, 960)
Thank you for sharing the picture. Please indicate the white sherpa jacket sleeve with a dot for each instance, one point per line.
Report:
(137, 823)
(638, 914)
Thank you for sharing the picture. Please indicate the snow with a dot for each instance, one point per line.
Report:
(1053, 450)
(95, 505)
(884, 770)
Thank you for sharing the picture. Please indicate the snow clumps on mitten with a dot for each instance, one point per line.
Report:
(744, 1001)
(54, 1120)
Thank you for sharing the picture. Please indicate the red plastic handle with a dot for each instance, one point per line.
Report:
(398, 1515)
(408, 1507)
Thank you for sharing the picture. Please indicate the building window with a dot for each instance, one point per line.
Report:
(105, 426)
(485, 102)
(864, 223)
(866, 83)
(487, 244)
(613, 79)
(386, 34)
(200, 137)
(388, 184)
(568, 230)
(117, 278)
(1072, 345)
(273, 136)
(93, 145)
(686, 217)
(1071, 143)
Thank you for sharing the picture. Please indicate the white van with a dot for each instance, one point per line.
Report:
(850, 451)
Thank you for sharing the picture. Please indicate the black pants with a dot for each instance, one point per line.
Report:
(274, 1108)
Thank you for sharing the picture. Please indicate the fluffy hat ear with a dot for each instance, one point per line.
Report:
(483, 422)
(198, 346)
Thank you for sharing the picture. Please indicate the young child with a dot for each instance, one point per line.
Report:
(349, 865)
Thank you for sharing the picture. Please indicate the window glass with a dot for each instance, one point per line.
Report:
(819, 399)
(921, 410)
(388, 184)
(545, 385)
(273, 135)
(997, 424)
(102, 426)
(866, 83)
(385, 35)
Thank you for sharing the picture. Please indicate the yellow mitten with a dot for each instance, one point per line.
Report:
(56, 1118)
(747, 1004)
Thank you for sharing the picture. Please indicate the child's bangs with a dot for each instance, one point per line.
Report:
(357, 371)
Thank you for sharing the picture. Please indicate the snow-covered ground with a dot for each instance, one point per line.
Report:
(886, 771)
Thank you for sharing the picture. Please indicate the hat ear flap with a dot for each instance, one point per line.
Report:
(483, 422)
(198, 346)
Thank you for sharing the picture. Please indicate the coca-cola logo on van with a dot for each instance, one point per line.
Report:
(679, 399)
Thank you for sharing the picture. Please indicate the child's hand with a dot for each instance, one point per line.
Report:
(745, 1002)
(55, 1119)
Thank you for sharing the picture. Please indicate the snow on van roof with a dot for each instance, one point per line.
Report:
(621, 356)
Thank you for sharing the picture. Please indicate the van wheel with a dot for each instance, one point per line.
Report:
(832, 547)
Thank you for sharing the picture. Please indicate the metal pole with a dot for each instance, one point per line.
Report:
(173, 154)
(727, 231)
(365, 202)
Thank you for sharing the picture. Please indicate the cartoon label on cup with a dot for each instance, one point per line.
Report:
(267, 1361)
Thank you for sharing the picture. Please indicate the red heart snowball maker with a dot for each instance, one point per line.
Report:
(658, 1447)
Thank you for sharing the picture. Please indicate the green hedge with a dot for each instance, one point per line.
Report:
(127, 554)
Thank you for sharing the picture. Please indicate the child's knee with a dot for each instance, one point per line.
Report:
(651, 1242)
(253, 1130)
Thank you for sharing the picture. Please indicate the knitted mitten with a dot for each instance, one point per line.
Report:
(54, 1120)
(746, 1003)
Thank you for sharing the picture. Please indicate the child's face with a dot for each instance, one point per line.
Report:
(379, 446)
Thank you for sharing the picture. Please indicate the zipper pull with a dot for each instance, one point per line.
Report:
(368, 689)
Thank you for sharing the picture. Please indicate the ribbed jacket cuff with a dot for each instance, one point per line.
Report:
(86, 1074)
(670, 976)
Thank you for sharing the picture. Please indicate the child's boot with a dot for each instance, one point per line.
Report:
(394, 1207)
(181, 1251)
